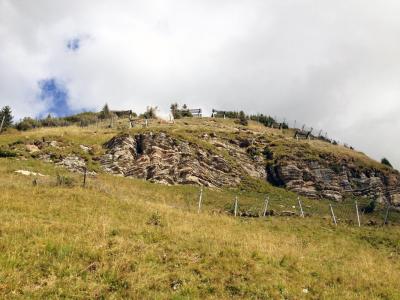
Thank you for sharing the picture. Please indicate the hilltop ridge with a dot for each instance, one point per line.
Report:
(117, 233)
(215, 152)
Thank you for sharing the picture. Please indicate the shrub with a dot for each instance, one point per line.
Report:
(369, 208)
(244, 143)
(154, 219)
(63, 180)
(27, 123)
(7, 153)
(252, 151)
(185, 111)
(178, 113)
(263, 119)
(268, 153)
(83, 119)
(386, 162)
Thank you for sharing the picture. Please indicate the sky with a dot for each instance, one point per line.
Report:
(332, 65)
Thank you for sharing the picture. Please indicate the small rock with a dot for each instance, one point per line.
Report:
(28, 173)
(32, 148)
(54, 144)
(288, 213)
(176, 284)
(85, 148)
(75, 164)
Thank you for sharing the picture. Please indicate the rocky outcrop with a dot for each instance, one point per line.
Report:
(164, 159)
(322, 180)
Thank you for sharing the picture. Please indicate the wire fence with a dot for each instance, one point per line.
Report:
(357, 212)
(243, 204)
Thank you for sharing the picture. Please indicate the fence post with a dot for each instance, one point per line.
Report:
(2, 123)
(200, 199)
(358, 215)
(84, 177)
(387, 214)
(266, 206)
(301, 207)
(236, 206)
(333, 214)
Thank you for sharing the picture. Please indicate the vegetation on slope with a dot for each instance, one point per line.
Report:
(128, 238)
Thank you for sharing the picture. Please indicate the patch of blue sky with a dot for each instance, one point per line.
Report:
(55, 95)
(74, 44)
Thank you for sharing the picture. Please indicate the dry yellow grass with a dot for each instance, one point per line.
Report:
(125, 238)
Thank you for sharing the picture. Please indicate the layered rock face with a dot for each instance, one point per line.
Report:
(165, 159)
(161, 158)
(314, 180)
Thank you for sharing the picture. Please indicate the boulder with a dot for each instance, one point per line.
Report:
(32, 148)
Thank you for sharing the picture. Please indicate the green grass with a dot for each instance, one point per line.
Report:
(122, 238)
(103, 242)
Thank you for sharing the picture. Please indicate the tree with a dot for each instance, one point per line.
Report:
(386, 162)
(242, 118)
(6, 117)
(28, 123)
(176, 113)
(185, 111)
(105, 112)
(151, 112)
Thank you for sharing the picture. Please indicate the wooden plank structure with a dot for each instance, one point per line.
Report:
(303, 134)
(276, 125)
(196, 112)
(122, 113)
(218, 113)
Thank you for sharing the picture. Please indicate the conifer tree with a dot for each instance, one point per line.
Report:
(243, 119)
(105, 112)
(6, 117)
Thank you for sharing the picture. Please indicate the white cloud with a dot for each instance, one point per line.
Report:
(330, 64)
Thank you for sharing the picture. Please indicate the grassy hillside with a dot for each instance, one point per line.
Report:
(127, 238)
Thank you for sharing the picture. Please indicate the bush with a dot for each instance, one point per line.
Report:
(253, 151)
(7, 153)
(268, 153)
(178, 113)
(369, 208)
(83, 119)
(263, 119)
(154, 219)
(386, 162)
(27, 123)
(63, 180)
